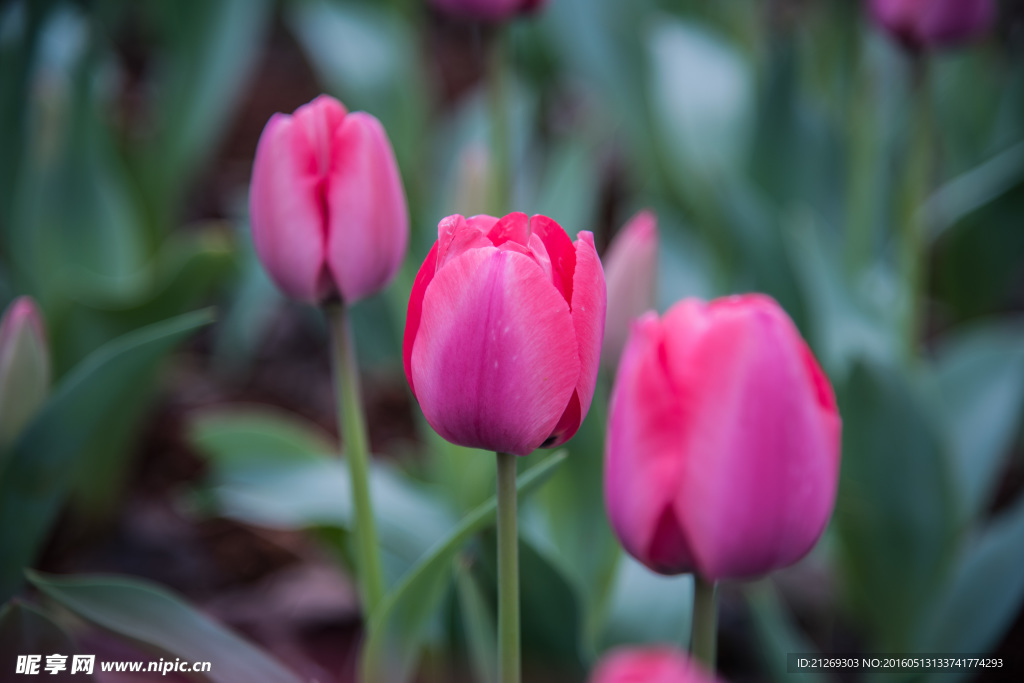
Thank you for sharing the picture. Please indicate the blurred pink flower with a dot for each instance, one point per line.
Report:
(723, 441)
(649, 665)
(503, 333)
(24, 367)
(327, 207)
(488, 10)
(630, 267)
(932, 23)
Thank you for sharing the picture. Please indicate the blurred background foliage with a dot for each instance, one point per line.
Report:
(787, 146)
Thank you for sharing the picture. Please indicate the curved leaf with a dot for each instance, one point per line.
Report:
(155, 619)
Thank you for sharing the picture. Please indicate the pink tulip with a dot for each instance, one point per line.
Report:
(723, 441)
(651, 665)
(630, 268)
(487, 10)
(327, 207)
(924, 23)
(503, 334)
(24, 367)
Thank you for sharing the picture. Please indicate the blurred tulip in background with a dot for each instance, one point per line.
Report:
(503, 334)
(650, 665)
(932, 23)
(631, 264)
(24, 367)
(488, 10)
(723, 441)
(328, 211)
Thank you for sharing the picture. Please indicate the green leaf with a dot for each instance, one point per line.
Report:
(896, 511)
(69, 430)
(979, 386)
(985, 594)
(241, 435)
(776, 633)
(648, 608)
(396, 628)
(702, 97)
(26, 630)
(477, 625)
(276, 470)
(154, 618)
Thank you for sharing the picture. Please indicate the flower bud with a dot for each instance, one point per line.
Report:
(649, 665)
(24, 367)
(327, 207)
(487, 10)
(722, 455)
(934, 23)
(631, 265)
(503, 334)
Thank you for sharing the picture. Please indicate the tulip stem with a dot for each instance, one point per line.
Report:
(705, 622)
(352, 424)
(508, 572)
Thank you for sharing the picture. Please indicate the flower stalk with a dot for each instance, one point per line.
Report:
(352, 425)
(508, 572)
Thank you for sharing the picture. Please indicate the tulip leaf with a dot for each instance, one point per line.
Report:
(647, 608)
(985, 594)
(776, 633)
(477, 624)
(26, 630)
(896, 510)
(154, 618)
(979, 384)
(67, 433)
(396, 627)
(275, 470)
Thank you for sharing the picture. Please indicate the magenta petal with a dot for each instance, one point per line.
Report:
(412, 318)
(369, 222)
(286, 213)
(649, 665)
(760, 464)
(589, 307)
(455, 235)
(560, 250)
(644, 451)
(515, 227)
(495, 359)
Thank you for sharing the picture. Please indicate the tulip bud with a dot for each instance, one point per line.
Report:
(24, 367)
(487, 10)
(503, 334)
(934, 23)
(327, 208)
(723, 441)
(651, 665)
(631, 270)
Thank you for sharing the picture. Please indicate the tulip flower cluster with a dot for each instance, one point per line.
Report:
(722, 452)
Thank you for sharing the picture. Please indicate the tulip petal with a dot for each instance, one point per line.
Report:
(759, 470)
(412, 318)
(495, 358)
(369, 221)
(286, 212)
(588, 313)
(561, 252)
(455, 235)
(649, 665)
(644, 457)
(515, 227)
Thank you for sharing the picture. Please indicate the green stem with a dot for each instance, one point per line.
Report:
(501, 161)
(508, 572)
(352, 424)
(705, 622)
(913, 252)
